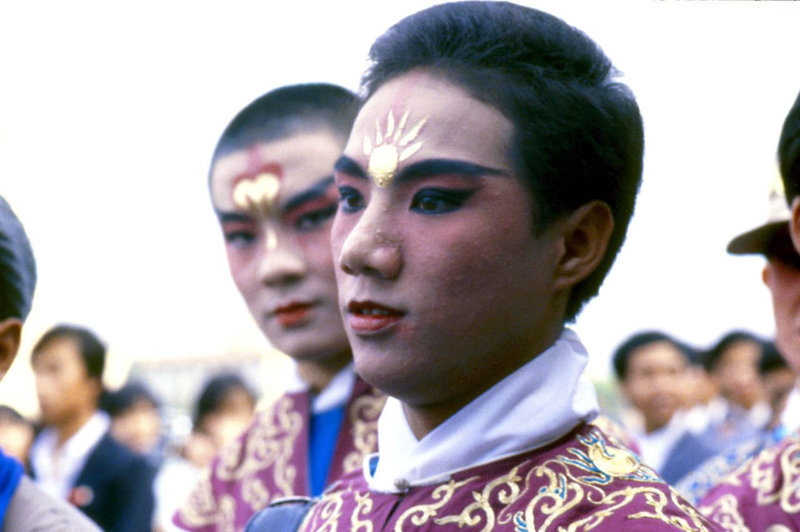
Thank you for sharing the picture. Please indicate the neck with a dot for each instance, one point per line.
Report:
(68, 428)
(318, 375)
(423, 417)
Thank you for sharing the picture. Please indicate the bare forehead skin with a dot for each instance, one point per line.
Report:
(456, 125)
(303, 160)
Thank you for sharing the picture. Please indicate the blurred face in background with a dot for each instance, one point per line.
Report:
(64, 388)
(138, 427)
(701, 388)
(275, 202)
(654, 382)
(736, 374)
(219, 427)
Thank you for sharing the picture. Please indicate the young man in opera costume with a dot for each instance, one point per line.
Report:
(272, 188)
(763, 492)
(484, 193)
(23, 506)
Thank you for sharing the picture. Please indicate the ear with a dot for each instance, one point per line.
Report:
(794, 223)
(10, 334)
(586, 233)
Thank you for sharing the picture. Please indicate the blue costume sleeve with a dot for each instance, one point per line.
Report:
(323, 434)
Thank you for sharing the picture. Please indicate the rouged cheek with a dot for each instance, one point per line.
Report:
(242, 265)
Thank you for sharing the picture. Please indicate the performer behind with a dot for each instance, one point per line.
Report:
(272, 189)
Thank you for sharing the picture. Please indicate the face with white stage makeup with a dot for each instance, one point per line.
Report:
(275, 202)
(444, 283)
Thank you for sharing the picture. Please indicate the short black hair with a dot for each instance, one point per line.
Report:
(771, 359)
(215, 393)
(789, 152)
(578, 133)
(90, 348)
(290, 110)
(17, 266)
(622, 354)
(119, 402)
(714, 355)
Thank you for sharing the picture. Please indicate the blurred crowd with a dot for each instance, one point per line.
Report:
(467, 376)
(112, 453)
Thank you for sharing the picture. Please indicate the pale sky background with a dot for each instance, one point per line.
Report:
(109, 112)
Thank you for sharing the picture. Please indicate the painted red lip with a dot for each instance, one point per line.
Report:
(292, 314)
(367, 317)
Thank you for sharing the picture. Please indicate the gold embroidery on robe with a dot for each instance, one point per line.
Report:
(201, 507)
(363, 414)
(725, 511)
(363, 507)
(420, 514)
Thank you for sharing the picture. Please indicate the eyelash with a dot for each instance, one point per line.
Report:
(239, 237)
(313, 219)
(347, 197)
(429, 201)
(444, 200)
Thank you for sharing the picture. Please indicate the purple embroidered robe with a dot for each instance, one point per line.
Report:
(762, 494)
(585, 481)
(270, 460)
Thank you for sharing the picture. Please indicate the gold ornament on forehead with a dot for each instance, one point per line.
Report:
(257, 194)
(391, 147)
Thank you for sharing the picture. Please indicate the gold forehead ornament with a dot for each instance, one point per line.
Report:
(257, 194)
(391, 147)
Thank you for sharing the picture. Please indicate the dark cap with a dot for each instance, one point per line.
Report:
(760, 239)
(789, 151)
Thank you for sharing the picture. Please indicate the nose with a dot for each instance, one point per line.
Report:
(281, 261)
(372, 247)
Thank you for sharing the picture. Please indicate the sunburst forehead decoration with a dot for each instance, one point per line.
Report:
(391, 147)
(257, 194)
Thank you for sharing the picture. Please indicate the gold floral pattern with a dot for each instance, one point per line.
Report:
(420, 514)
(767, 484)
(271, 445)
(577, 486)
(725, 511)
(201, 507)
(363, 414)
(262, 465)
(363, 508)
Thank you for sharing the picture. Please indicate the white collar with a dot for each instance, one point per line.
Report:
(334, 395)
(59, 479)
(658, 445)
(534, 406)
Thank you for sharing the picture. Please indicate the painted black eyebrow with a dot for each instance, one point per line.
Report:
(423, 169)
(434, 167)
(228, 217)
(348, 166)
(315, 191)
